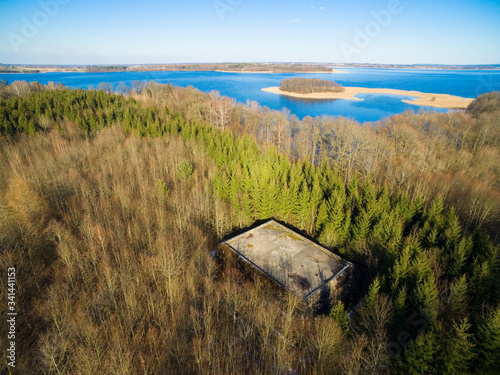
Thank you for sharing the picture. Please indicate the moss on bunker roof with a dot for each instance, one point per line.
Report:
(293, 261)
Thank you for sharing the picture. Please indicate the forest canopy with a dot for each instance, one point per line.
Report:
(110, 205)
(488, 103)
(309, 85)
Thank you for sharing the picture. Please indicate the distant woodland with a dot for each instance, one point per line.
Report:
(111, 204)
(309, 85)
(232, 67)
(417, 66)
(17, 70)
(4, 68)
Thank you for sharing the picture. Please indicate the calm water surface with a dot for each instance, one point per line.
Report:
(243, 87)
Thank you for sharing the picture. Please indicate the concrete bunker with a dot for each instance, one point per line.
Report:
(309, 271)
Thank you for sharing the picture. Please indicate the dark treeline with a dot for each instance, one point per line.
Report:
(106, 68)
(233, 67)
(309, 85)
(113, 203)
(17, 70)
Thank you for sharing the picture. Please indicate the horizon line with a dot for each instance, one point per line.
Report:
(249, 62)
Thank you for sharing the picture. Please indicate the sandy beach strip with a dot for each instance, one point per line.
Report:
(420, 98)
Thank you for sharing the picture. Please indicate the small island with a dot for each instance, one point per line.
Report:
(308, 89)
(309, 85)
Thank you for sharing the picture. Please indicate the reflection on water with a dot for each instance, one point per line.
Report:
(309, 101)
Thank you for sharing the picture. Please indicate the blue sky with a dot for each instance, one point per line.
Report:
(151, 31)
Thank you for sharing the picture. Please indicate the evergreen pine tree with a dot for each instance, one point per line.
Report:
(457, 349)
(452, 232)
(487, 343)
(361, 226)
(481, 285)
(371, 296)
(419, 356)
(402, 266)
(340, 315)
(400, 321)
(302, 207)
(322, 217)
(434, 213)
(457, 302)
(353, 198)
(426, 299)
(368, 196)
(458, 257)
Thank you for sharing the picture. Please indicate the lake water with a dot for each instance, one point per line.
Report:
(466, 83)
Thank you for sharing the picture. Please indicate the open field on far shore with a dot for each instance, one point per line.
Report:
(421, 98)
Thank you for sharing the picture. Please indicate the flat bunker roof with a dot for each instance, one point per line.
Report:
(296, 263)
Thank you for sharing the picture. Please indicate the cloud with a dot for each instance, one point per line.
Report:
(321, 8)
(295, 20)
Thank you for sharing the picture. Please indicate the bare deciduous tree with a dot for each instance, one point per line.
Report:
(221, 109)
(20, 88)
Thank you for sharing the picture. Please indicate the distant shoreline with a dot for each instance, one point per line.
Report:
(190, 67)
(421, 98)
(55, 70)
(244, 68)
(277, 72)
(41, 71)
